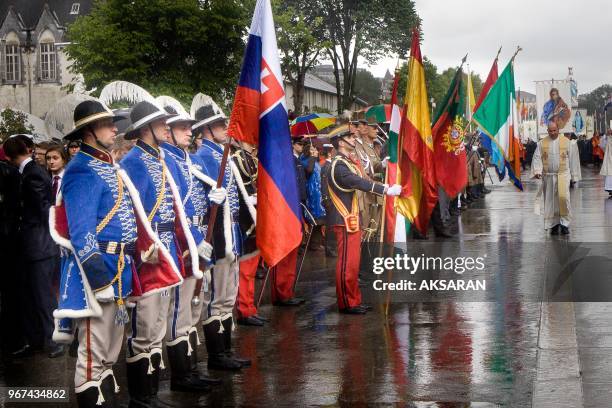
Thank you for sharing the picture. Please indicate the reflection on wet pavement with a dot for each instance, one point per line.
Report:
(509, 352)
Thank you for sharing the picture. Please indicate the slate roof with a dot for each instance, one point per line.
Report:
(31, 10)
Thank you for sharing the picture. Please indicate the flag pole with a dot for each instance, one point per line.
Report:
(213, 215)
(518, 49)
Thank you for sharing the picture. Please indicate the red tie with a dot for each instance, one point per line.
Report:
(55, 185)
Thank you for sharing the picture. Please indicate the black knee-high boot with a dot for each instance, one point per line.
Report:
(227, 339)
(217, 359)
(195, 372)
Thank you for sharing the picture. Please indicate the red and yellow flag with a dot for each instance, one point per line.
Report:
(416, 162)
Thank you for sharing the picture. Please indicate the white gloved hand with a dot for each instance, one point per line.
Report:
(151, 255)
(253, 200)
(217, 195)
(205, 250)
(385, 161)
(394, 190)
(106, 295)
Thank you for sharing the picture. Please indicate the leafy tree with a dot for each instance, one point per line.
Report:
(367, 87)
(174, 47)
(13, 122)
(434, 88)
(437, 84)
(300, 40)
(594, 103)
(363, 28)
(595, 100)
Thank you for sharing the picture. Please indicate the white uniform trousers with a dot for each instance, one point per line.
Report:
(100, 341)
(220, 299)
(180, 314)
(147, 327)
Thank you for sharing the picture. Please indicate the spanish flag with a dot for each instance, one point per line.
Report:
(416, 162)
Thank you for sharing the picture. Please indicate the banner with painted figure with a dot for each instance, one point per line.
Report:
(579, 121)
(529, 130)
(590, 126)
(553, 99)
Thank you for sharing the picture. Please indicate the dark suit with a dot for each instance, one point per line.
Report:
(301, 179)
(330, 238)
(10, 278)
(39, 255)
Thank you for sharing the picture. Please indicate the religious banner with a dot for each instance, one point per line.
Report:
(553, 99)
(579, 121)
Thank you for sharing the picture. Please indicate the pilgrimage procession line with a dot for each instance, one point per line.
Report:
(170, 236)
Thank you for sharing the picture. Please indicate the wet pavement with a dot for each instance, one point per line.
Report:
(512, 350)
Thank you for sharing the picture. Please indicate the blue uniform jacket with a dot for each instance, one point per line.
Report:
(90, 189)
(229, 235)
(144, 164)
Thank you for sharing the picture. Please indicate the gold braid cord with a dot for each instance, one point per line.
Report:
(121, 260)
(113, 210)
(161, 194)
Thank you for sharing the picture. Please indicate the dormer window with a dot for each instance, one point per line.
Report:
(75, 8)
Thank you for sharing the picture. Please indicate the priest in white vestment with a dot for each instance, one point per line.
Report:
(553, 164)
(576, 171)
(606, 167)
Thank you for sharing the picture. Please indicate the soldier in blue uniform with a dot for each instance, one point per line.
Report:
(229, 237)
(99, 223)
(154, 174)
(181, 334)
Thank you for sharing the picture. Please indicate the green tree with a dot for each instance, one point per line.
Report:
(594, 103)
(13, 122)
(595, 100)
(173, 47)
(432, 82)
(300, 41)
(367, 87)
(368, 29)
(437, 84)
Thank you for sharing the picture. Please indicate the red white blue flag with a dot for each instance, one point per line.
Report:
(259, 117)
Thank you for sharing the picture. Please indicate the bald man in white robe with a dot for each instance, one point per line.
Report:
(553, 164)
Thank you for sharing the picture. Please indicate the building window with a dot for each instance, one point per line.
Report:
(75, 8)
(47, 61)
(12, 63)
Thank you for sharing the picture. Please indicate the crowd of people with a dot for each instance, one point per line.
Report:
(111, 235)
(150, 237)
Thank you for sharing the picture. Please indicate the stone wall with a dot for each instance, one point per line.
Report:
(44, 94)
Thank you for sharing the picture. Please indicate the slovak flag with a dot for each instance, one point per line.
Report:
(259, 117)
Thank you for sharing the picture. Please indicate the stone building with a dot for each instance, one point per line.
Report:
(319, 96)
(33, 64)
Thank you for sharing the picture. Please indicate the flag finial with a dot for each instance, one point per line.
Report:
(498, 52)
(518, 49)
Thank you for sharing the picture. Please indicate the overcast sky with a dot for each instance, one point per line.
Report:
(554, 35)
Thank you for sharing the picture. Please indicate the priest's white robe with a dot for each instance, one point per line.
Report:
(606, 166)
(547, 197)
(575, 162)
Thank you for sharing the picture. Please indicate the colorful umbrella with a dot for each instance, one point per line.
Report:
(311, 123)
(379, 113)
